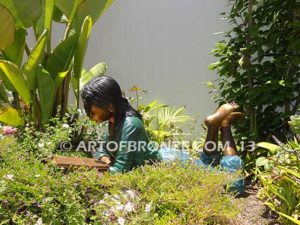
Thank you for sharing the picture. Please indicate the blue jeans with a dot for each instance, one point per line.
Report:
(230, 163)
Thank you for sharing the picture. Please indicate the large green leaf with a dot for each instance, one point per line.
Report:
(8, 85)
(60, 77)
(82, 46)
(68, 8)
(271, 147)
(34, 59)
(58, 16)
(25, 12)
(7, 28)
(80, 54)
(15, 52)
(289, 217)
(261, 161)
(46, 90)
(16, 77)
(61, 57)
(290, 171)
(11, 117)
(45, 20)
(97, 70)
(93, 8)
(3, 95)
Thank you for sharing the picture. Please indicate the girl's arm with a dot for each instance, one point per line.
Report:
(124, 160)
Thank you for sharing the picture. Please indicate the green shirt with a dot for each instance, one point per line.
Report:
(129, 147)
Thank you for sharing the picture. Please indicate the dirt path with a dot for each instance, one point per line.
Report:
(253, 211)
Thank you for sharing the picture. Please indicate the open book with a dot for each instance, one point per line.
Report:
(67, 161)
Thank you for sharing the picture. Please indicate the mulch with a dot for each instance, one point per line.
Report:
(253, 211)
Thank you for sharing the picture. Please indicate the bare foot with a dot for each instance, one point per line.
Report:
(231, 118)
(222, 112)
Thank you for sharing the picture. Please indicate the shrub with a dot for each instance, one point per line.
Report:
(164, 122)
(32, 192)
(33, 90)
(258, 65)
(279, 174)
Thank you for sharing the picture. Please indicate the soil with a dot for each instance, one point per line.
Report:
(253, 211)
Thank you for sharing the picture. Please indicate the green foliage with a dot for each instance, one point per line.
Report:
(295, 124)
(96, 70)
(164, 122)
(258, 65)
(34, 192)
(36, 88)
(44, 144)
(11, 116)
(7, 31)
(16, 78)
(177, 194)
(279, 174)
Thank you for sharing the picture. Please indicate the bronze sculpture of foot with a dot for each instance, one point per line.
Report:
(231, 118)
(221, 113)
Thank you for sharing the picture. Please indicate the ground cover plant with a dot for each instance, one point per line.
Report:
(36, 192)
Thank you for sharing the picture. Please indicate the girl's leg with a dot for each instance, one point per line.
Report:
(231, 161)
(226, 134)
(211, 141)
(227, 141)
(213, 123)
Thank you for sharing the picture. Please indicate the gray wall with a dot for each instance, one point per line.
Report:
(161, 46)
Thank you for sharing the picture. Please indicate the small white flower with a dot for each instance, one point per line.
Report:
(106, 195)
(121, 221)
(107, 213)
(49, 143)
(38, 175)
(65, 125)
(39, 222)
(131, 193)
(41, 145)
(10, 176)
(117, 197)
(119, 207)
(148, 207)
(117, 202)
(101, 202)
(129, 207)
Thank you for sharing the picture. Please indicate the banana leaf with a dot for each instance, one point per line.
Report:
(11, 117)
(93, 8)
(7, 28)
(16, 78)
(68, 8)
(3, 95)
(46, 90)
(97, 70)
(82, 46)
(15, 52)
(25, 12)
(61, 57)
(34, 59)
(80, 54)
(45, 20)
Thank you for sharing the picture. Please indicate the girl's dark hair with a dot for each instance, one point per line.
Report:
(101, 91)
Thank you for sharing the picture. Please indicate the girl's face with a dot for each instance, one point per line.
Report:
(100, 115)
